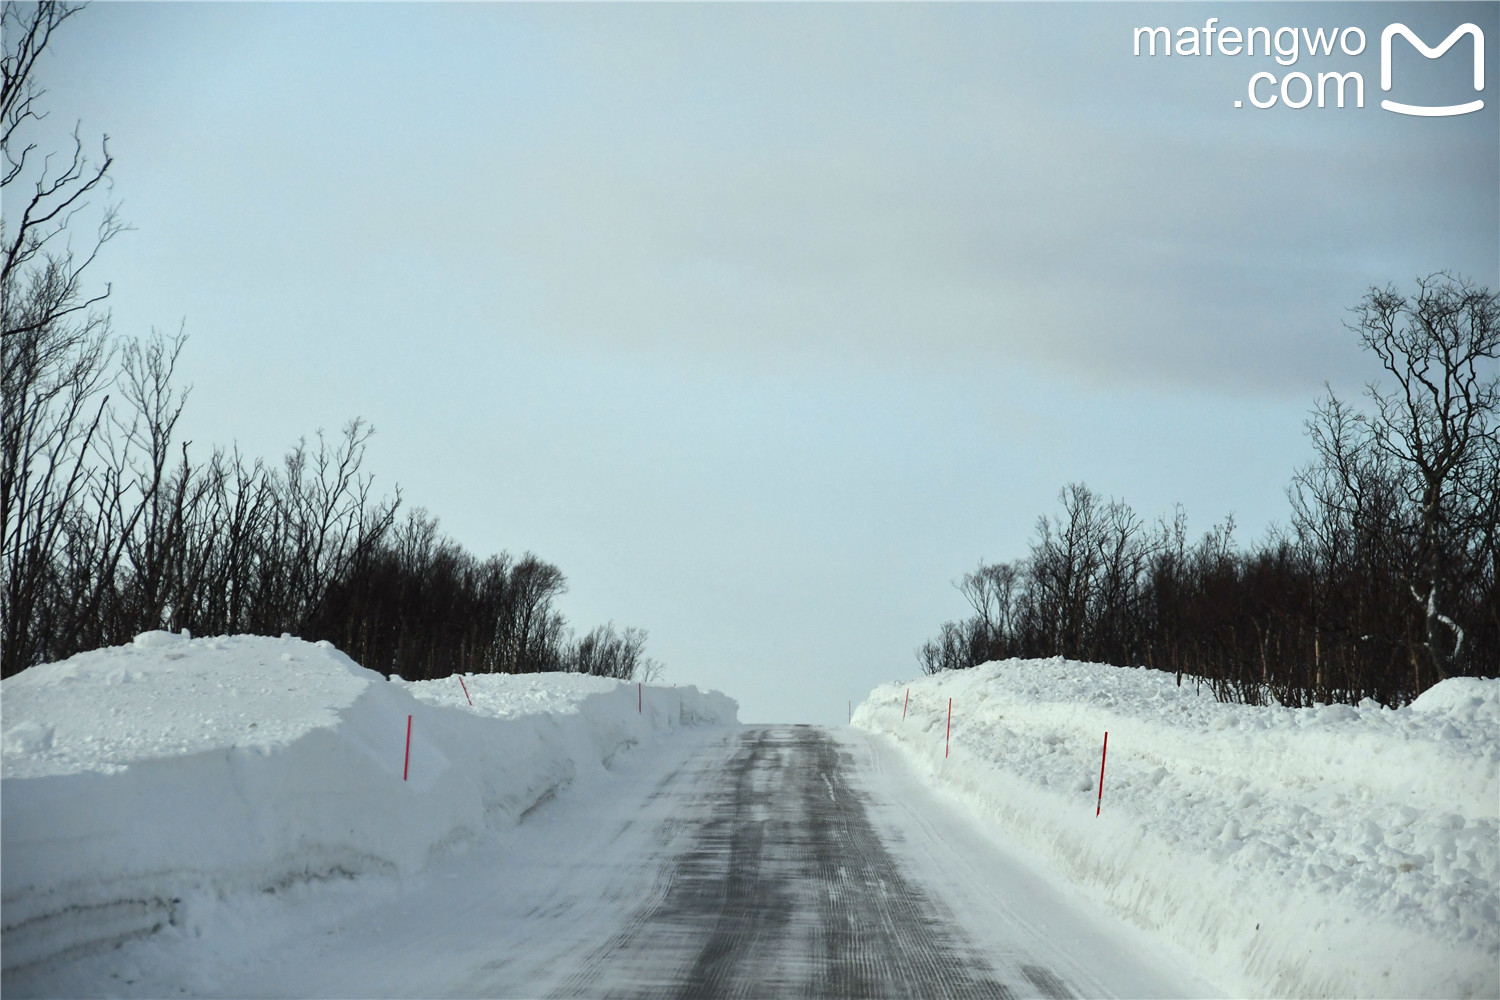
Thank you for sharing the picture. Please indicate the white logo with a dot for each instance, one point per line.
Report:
(1431, 53)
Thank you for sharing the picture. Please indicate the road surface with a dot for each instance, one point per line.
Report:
(763, 861)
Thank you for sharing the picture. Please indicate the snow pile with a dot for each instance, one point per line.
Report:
(144, 783)
(1329, 851)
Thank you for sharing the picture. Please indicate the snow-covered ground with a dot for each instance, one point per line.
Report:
(146, 786)
(1330, 851)
(208, 795)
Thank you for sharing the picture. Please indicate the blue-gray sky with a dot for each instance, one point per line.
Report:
(766, 322)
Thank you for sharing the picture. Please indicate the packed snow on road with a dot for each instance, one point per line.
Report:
(1337, 850)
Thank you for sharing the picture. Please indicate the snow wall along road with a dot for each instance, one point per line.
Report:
(142, 783)
(1330, 851)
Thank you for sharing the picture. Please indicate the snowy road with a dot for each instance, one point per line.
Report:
(780, 885)
(756, 862)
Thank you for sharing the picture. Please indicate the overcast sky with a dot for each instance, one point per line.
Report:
(766, 322)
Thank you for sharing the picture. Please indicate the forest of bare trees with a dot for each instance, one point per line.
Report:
(112, 527)
(1383, 585)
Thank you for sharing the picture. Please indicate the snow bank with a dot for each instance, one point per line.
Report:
(1329, 851)
(143, 783)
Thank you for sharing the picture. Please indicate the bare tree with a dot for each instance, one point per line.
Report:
(1430, 441)
(1063, 566)
(55, 344)
(152, 532)
(534, 628)
(603, 652)
(54, 379)
(991, 592)
(43, 195)
(326, 519)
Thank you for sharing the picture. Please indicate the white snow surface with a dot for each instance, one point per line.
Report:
(1327, 851)
(145, 784)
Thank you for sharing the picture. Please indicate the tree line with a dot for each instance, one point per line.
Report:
(1383, 584)
(112, 527)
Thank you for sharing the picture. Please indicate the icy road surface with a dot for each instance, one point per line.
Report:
(785, 861)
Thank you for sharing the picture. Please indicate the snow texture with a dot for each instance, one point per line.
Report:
(144, 784)
(1327, 851)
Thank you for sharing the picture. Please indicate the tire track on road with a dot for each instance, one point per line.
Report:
(786, 889)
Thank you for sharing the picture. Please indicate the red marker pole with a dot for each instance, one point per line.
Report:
(905, 703)
(406, 767)
(949, 733)
(1100, 803)
(466, 689)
